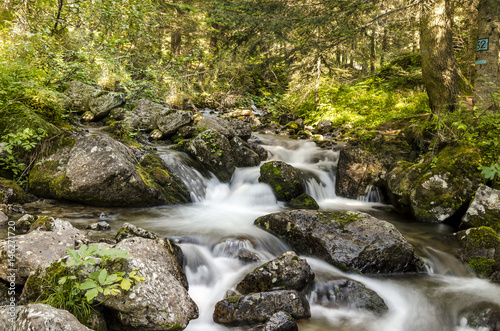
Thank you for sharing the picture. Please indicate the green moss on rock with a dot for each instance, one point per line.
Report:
(304, 201)
(481, 265)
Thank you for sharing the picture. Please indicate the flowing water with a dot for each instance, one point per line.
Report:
(221, 244)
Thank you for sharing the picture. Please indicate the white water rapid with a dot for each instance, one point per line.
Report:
(219, 242)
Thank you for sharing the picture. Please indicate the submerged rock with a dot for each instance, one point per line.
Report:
(283, 178)
(482, 316)
(484, 210)
(287, 272)
(260, 307)
(37, 317)
(47, 242)
(347, 294)
(352, 241)
(98, 170)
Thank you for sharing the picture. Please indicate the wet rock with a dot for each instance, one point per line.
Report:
(347, 294)
(244, 153)
(47, 242)
(260, 307)
(484, 210)
(481, 316)
(3, 217)
(480, 249)
(128, 230)
(38, 317)
(24, 223)
(281, 322)
(400, 181)
(287, 272)
(283, 178)
(352, 241)
(304, 201)
(161, 301)
(98, 226)
(245, 115)
(238, 248)
(366, 162)
(145, 115)
(169, 124)
(98, 170)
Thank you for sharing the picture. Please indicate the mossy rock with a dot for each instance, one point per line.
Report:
(17, 117)
(11, 192)
(284, 180)
(304, 201)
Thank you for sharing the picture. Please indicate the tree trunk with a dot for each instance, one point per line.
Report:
(372, 52)
(487, 54)
(440, 71)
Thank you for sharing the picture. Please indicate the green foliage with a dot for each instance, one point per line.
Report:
(15, 144)
(75, 290)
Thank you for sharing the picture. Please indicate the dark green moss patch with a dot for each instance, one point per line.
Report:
(481, 265)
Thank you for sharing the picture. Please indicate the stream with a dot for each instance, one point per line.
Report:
(216, 234)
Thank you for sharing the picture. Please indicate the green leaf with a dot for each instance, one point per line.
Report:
(102, 276)
(89, 283)
(91, 294)
(126, 284)
(62, 280)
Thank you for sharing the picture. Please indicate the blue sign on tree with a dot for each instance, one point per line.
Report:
(482, 45)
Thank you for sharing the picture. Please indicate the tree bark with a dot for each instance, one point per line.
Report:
(487, 80)
(440, 71)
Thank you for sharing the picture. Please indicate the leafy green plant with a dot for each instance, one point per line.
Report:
(76, 290)
(13, 145)
(492, 172)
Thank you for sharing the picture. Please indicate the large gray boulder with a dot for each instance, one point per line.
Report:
(81, 96)
(286, 272)
(47, 242)
(344, 293)
(260, 307)
(438, 188)
(281, 321)
(169, 124)
(98, 170)
(146, 113)
(105, 103)
(228, 127)
(38, 317)
(161, 301)
(283, 178)
(351, 241)
(484, 210)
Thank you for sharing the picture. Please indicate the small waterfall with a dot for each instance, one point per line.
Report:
(372, 194)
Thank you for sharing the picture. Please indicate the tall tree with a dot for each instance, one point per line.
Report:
(440, 71)
(487, 80)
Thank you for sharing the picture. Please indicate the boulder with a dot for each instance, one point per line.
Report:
(170, 123)
(145, 115)
(439, 188)
(283, 178)
(351, 241)
(104, 103)
(323, 127)
(11, 192)
(46, 242)
(260, 307)
(24, 223)
(16, 117)
(228, 127)
(219, 154)
(98, 226)
(480, 249)
(98, 170)
(128, 230)
(287, 272)
(304, 201)
(81, 96)
(281, 321)
(484, 210)
(366, 162)
(344, 293)
(482, 316)
(161, 301)
(37, 317)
